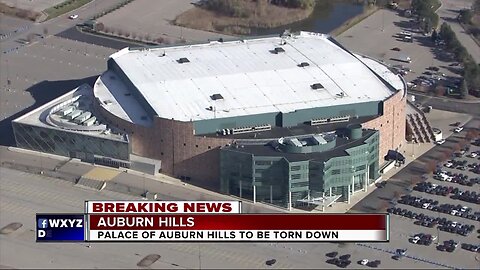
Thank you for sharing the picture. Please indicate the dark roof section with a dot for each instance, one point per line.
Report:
(339, 150)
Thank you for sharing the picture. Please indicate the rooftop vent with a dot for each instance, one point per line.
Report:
(279, 50)
(316, 86)
(183, 60)
(216, 96)
(303, 64)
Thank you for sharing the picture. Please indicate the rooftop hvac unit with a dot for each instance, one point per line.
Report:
(263, 128)
(316, 86)
(183, 60)
(278, 50)
(66, 110)
(90, 121)
(315, 122)
(84, 116)
(74, 114)
(303, 64)
(242, 130)
(340, 118)
(251, 129)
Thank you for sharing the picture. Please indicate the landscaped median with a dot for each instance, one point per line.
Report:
(64, 7)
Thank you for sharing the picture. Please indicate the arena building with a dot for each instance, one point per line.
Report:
(296, 97)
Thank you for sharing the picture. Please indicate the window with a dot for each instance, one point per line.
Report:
(295, 168)
(334, 172)
(298, 185)
(263, 162)
(296, 176)
(359, 168)
(161, 153)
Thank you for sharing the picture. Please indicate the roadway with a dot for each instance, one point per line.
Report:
(448, 12)
(58, 24)
(448, 104)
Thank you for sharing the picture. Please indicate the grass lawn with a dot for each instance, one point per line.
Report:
(64, 7)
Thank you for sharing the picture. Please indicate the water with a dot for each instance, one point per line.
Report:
(328, 15)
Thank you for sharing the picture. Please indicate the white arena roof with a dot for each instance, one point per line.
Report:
(228, 79)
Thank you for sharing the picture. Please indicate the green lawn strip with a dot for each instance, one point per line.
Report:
(64, 7)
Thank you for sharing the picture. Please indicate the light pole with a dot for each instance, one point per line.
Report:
(383, 20)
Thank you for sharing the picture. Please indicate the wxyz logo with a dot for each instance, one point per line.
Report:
(61, 223)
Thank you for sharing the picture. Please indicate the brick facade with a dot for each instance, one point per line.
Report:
(391, 124)
(198, 157)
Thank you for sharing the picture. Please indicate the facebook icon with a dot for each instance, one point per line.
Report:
(42, 223)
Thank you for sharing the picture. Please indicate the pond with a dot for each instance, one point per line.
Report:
(327, 16)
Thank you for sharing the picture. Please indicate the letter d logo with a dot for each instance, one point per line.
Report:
(41, 233)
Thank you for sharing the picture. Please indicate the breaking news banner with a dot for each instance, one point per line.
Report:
(238, 227)
(60, 227)
(152, 207)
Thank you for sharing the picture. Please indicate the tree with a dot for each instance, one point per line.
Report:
(434, 35)
(463, 89)
(99, 27)
(465, 16)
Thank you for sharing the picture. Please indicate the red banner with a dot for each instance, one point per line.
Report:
(238, 222)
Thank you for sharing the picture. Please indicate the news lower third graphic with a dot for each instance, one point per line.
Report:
(60, 227)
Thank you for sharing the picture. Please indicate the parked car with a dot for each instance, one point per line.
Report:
(458, 129)
(73, 16)
(440, 142)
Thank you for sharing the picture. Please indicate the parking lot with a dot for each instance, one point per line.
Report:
(37, 73)
(446, 209)
(11, 26)
(388, 29)
(155, 21)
